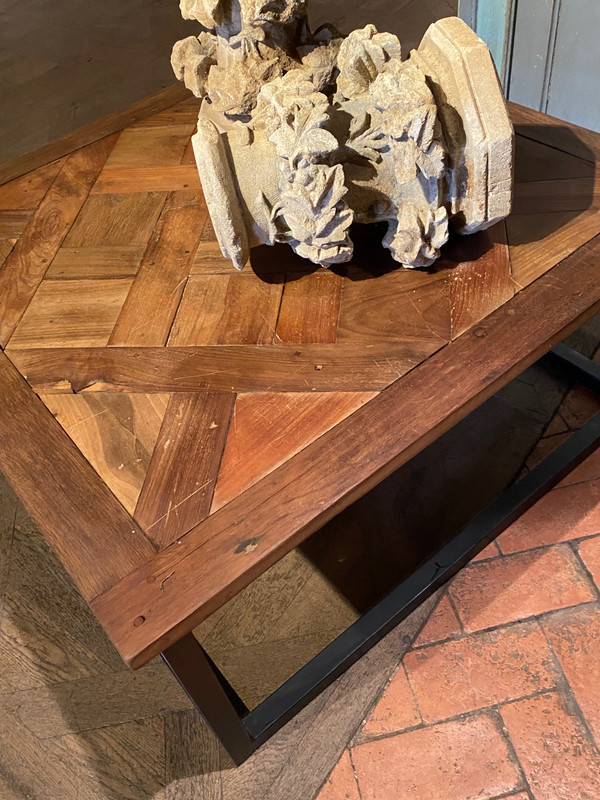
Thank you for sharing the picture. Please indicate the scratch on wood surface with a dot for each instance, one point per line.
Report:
(162, 583)
(181, 502)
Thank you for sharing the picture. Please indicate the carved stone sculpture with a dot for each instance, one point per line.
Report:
(301, 134)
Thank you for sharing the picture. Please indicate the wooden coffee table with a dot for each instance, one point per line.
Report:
(175, 427)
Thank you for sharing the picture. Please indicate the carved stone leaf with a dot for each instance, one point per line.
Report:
(207, 12)
(313, 145)
(363, 55)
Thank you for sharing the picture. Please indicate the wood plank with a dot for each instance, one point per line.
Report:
(151, 146)
(405, 304)
(284, 368)
(13, 223)
(540, 241)
(57, 485)
(147, 179)
(479, 287)
(241, 540)
(27, 264)
(162, 275)
(210, 261)
(28, 191)
(81, 263)
(6, 246)
(268, 429)
(226, 309)
(310, 309)
(178, 489)
(115, 432)
(554, 132)
(185, 111)
(572, 194)
(536, 161)
(93, 132)
(77, 313)
(116, 220)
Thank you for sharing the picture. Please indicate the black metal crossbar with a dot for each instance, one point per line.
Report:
(242, 731)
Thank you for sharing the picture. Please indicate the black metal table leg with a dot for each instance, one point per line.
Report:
(242, 731)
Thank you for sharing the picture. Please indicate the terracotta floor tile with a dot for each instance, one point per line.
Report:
(588, 470)
(442, 624)
(579, 406)
(559, 761)
(516, 587)
(575, 637)
(341, 784)
(481, 670)
(491, 551)
(589, 550)
(459, 760)
(395, 711)
(565, 513)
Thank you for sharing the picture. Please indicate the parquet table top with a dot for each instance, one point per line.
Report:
(176, 427)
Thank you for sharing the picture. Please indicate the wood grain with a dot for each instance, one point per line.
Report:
(13, 223)
(74, 313)
(226, 309)
(115, 219)
(557, 133)
(151, 145)
(115, 432)
(99, 129)
(179, 486)
(32, 445)
(6, 246)
(567, 194)
(408, 305)
(26, 265)
(536, 161)
(162, 275)
(110, 261)
(249, 534)
(147, 179)
(284, 368)
(479, 287)
(283, 423)
(310, 309)
(28, 191)
(540, 241)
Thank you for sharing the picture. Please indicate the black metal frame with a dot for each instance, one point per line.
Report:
(242, 731)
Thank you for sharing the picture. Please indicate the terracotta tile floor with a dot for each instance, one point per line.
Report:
(500, 695)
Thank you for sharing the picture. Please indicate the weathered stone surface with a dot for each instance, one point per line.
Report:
(301, 133)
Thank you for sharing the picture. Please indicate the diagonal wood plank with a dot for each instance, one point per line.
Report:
(249, 534)
(25, 267)
(240, 368)
(151, 145)
(161, 278)
(28, 191)
(283, 423)
(179, 486)
(310, 309)
(479, 287)
(116, 433)
(32, 445)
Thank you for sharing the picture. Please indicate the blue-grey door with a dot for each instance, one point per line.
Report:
(547, 53)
